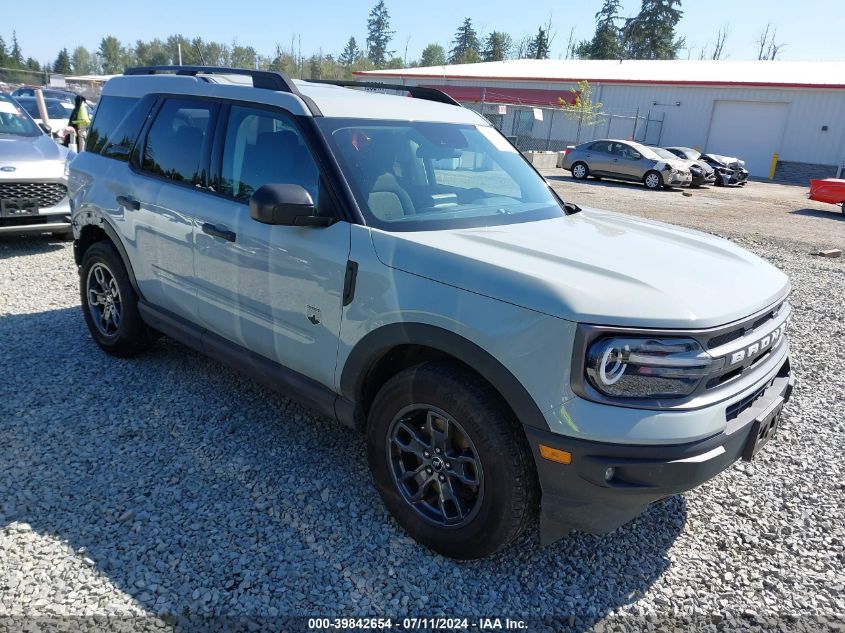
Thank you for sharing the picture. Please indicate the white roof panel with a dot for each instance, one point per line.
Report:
(804, 74)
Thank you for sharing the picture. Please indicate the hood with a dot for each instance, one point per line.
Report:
(728, 161)
(31, 157)
(707, 168)
(595, 267)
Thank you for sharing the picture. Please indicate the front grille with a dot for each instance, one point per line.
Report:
(739, 406)
(49, 194)
(742, 330)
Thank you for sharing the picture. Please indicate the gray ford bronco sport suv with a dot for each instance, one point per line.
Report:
(396, 264)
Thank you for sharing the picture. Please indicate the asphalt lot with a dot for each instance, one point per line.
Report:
(170, 485)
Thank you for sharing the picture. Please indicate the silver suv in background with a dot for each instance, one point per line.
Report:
(625, 160)
(33, 176)
(396, 264)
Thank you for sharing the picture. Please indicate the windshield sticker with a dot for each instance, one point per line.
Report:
(499, 141)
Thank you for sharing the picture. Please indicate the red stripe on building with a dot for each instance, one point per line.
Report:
(526, 96)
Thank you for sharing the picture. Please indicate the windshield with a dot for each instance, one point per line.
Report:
(664, 153)
(14, 121)
(418, 176)
(55, 109)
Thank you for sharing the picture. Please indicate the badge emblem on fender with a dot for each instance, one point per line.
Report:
(313, 314)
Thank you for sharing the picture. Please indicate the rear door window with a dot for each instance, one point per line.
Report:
(178, 140)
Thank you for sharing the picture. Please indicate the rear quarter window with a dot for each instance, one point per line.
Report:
(110, 112)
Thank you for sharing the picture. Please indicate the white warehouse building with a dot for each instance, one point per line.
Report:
(793, 112)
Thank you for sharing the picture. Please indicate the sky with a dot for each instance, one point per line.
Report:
(809, 29)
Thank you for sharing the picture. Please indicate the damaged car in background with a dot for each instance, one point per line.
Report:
(625, 160)
(729, 170)
(701, 172)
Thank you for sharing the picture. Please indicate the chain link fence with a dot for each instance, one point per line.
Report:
(550, 129)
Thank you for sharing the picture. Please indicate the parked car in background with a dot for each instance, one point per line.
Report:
(625, 160)
(33, 176)
(49, 93)
(702, 172)
(729, 171)
(830, 190)
(58, 113)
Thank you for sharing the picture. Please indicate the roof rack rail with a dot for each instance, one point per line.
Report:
(418, 92)
(264, 79)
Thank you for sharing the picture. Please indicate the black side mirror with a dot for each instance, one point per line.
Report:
(46, 128)
(285, 205)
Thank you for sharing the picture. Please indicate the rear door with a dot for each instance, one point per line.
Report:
(166, 190)
(275, 290)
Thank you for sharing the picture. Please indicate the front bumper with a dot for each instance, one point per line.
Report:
(680, 179)
(54, 219)
(578, 496)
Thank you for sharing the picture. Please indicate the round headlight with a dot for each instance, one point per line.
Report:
(632, 367)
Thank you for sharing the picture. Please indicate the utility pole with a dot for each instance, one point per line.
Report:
(179, 48)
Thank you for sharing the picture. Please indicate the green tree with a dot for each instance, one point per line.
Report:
(395, 63)
(379, 35)
(651, 33)
(81, 61)
(497, 47)
(607, 39)
(62, 64)
(350, 53)
(538, 47)
(4, 54)
(242, 56)
(112, 56)
(32, 64)
(433, 55)
(466, 47)
(15, 55)
(584, 110)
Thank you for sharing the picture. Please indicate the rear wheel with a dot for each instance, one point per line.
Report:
(580, 171)
(653, 180)
(451, 466)
(110, 304)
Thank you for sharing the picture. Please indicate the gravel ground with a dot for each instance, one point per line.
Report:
(169, 485)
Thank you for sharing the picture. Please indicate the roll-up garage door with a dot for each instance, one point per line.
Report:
(750, 130)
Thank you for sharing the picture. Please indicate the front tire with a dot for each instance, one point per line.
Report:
(110, 304)
(653, 180)
(450, 464)
(580, 171)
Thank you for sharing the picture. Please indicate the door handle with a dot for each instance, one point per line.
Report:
(218, 231)
(128, 202)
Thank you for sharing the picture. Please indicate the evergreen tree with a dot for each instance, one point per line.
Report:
(467, 48)
(379, 35)
(32, 64)
(62, 63)
(15, 55)
(497, 47)
(607, 40)
(4, 55)
(538, 47)
(433, 55)
(651, 33)
(350, 53)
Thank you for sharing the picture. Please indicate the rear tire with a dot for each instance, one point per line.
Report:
(110, 304)
(653, 180)
(580, 171)
(438, 423)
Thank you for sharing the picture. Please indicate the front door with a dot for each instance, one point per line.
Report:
(276, 290)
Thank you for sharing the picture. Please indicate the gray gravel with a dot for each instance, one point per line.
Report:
(170, 485)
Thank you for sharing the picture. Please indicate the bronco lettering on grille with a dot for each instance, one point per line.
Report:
(758, 346)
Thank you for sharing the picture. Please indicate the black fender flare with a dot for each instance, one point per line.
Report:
(114, 237)
(378, 342)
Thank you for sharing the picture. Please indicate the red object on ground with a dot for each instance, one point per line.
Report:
(830, 190)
